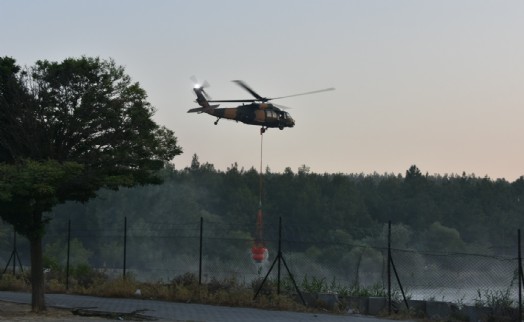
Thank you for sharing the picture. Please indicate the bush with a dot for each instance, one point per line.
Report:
(86, 276)
(18, 282)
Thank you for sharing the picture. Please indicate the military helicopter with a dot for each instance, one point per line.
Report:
(257, 112)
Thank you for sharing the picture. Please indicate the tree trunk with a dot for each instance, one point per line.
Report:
(37, 272)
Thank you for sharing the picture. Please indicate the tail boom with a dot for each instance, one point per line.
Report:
(207, 109)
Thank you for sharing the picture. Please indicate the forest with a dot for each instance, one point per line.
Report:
(447, 213)
(326, 218)
(469, 211)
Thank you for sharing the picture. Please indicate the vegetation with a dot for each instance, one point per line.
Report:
(345, 212)
(66, 130)
(163, 218)
(69, 129)
(183, 288)
(335, 226)
(496, 299)
(493, 305)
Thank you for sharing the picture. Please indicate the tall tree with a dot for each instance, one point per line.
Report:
(68, 129)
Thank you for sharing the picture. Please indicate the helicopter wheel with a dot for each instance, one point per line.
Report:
(216, 122)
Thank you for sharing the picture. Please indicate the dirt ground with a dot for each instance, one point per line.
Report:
(22, 312)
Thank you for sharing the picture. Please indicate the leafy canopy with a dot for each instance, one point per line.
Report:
(30, 187)
(70, 128)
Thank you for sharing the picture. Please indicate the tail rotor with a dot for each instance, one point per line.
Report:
(200, 86)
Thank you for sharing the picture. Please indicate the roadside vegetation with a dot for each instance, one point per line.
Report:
(496, 305)
(184, 288)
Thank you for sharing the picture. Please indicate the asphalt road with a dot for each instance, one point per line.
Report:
(181, 312)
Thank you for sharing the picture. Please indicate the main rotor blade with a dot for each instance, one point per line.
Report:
(231, 101)
(307, 93)
(282, 107)
(252, 92)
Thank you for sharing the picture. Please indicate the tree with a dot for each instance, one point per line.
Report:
(195, 164)
(66, 130)
(443, 239)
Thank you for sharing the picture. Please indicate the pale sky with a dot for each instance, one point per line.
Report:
(439, 84)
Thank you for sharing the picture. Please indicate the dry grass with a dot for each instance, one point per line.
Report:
(185, 288)
(19, 282)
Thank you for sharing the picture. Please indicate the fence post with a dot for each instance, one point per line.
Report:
(200, 257)
(520, 274)
(391, 264)
(15, 253)
(125, 244)
(14, 256)
(279, 252)
(389, 267)
(68, 252)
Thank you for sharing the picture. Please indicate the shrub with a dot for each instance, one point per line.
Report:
(18, 282)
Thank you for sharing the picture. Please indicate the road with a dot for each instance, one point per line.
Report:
(181, 312)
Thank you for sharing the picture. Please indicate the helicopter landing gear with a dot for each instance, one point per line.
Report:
(263, 130)
(216, 122)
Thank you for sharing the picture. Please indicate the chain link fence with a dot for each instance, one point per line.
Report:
(162, 251)
(456, 277)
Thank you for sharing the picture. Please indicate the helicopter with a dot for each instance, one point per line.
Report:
(255, 111)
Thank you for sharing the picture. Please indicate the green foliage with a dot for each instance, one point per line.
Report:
(68, 129)
(57, 252)
(85, 275)
(314, 284)
(331, 221)
(9, 282)
(28, 187)
(375, 290)
(496, 299)
(317, 285)
(187, 279)
(86, 111)
(401, 236)
(444, 239)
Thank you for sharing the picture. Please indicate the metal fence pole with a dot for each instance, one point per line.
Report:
(389, 267)
(15, 253)
(279, 252)
(520, 274)
(125, 244)
(200, 257)
(68, 252)
(14, 256)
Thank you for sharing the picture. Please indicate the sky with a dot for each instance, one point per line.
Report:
(436, 84)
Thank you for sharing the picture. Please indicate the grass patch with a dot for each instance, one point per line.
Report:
(18, 282)
(185, 288)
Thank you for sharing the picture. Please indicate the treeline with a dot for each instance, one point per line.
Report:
(440, 213)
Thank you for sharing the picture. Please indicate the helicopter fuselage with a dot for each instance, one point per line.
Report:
(263, 114)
